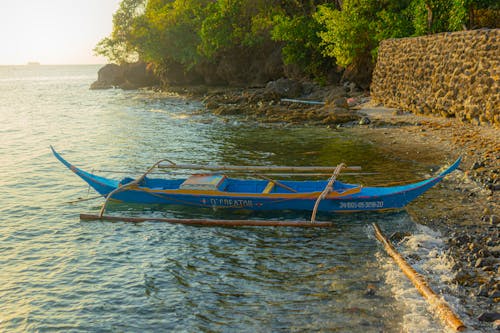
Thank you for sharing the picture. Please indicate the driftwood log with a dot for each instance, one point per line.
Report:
(444, 312)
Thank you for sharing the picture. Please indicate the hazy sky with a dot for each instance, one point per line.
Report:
(53, 31)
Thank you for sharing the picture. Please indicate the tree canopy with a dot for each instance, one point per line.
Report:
(311, 34)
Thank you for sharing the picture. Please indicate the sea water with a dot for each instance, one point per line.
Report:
(60, 274)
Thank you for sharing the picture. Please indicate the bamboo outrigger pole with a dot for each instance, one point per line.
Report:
(210, 222)
(261, 168)
(443, 310)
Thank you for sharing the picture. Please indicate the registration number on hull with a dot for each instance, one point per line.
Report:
(362, 205)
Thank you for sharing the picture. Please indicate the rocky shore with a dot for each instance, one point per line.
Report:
(283, 101)
(468, 217)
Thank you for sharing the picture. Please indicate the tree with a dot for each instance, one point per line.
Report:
(233, 24)
(302, 44)
(347, 36)
(431, 16)
(119, 47)
(463, 14)
(171, 31)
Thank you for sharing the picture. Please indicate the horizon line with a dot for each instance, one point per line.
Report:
(35, 64)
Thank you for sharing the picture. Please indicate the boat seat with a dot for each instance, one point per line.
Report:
(269, 188)
(205, 182)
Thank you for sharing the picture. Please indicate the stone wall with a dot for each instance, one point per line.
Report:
(449, 74)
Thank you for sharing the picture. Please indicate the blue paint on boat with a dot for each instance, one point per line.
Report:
(248, 194)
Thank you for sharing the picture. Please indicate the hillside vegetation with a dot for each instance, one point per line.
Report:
(249, 42)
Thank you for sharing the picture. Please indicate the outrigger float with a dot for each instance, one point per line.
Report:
(214, 189)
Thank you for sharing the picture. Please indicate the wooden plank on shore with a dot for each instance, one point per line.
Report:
(444, 312)
(210, 222)
(302, 101)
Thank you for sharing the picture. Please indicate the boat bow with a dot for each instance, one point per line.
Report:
(100, 184)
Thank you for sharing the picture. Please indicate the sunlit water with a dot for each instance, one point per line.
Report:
(60, 274)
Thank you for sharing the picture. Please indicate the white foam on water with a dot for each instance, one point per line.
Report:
(424, 251)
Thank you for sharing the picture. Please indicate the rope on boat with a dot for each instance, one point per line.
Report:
(444, 312)
(328, 189)
(83, 199)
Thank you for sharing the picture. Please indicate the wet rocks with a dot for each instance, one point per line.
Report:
(266, 104)
(448, 74)
(284, 88)
(489, 316)
(371, 290)
(364, 121)
(340, 102)
(477, 257)
(398, 236)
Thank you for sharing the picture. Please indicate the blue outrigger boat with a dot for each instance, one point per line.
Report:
(216, 190)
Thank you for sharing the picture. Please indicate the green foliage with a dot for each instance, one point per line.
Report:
(170, 31)
(315, 35)
(301, 44)
(462, 12)
(394, 20)
(349, 33)
(458, 14)
(119, 47)
(235, 24)
(431, 16)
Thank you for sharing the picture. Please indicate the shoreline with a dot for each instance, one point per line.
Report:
(468, 217)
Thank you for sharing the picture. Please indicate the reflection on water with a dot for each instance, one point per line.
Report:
(61, 274)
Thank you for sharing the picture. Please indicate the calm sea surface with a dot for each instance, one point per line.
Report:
(60, 274)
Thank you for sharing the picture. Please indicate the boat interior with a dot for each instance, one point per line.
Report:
(235, 185)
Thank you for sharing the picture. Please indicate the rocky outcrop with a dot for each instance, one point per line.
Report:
(125, 76)
(235, 68)
(109, 76)
(448, 74)
(243, 67)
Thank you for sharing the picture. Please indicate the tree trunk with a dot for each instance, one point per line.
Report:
(429, 19)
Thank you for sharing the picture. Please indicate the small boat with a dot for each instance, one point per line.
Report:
(217, 190)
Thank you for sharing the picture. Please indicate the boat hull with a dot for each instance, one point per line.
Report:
(344, 198)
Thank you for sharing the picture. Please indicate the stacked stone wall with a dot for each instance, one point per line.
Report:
(449, 74)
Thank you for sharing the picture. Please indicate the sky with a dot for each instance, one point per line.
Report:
(53, 32)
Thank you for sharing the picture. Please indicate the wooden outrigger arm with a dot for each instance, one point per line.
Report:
(132, 183)
(328, 189)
